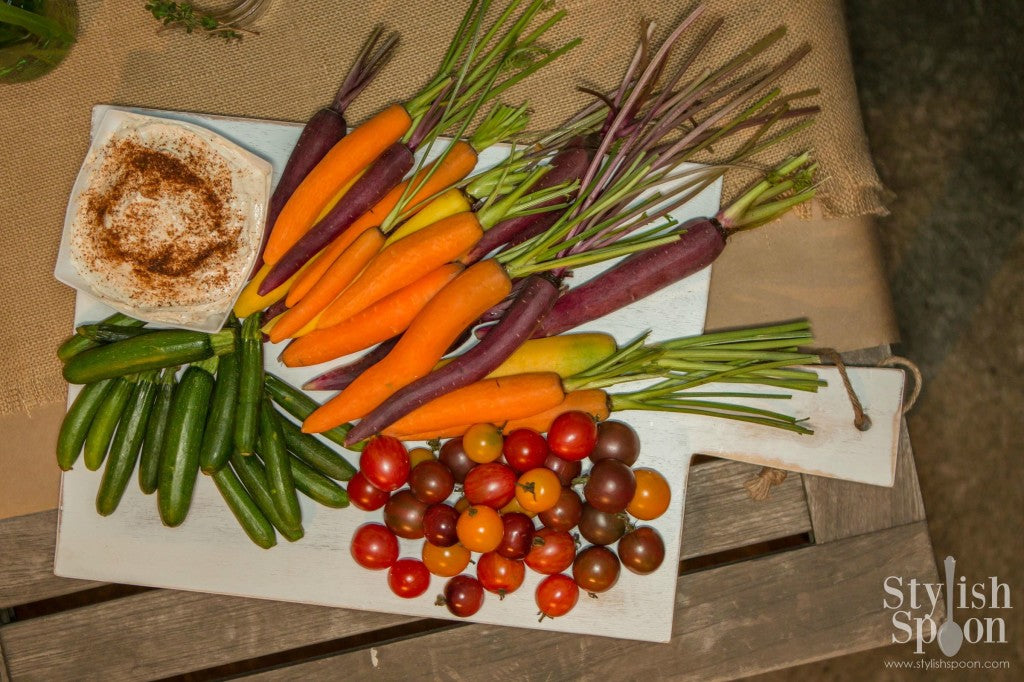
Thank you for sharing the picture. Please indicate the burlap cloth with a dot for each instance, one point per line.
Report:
(296, 63)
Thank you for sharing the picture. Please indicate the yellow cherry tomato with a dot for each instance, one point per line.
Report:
(538, 490)
(482, 443)
(462, 504)
(514, 506)
(445, 561)
(419, 455)
(480, 529)
(652, 495)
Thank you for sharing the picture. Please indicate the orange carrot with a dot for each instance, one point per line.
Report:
(593, 401)
(349, 156)
(382, 320)
(403, 263)
(456, 165)
(428, 337)
(488, 401)
(333, 282)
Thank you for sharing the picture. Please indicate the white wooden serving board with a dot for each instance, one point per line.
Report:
(209, 553)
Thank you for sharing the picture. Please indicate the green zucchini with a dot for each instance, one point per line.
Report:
(156, 428)
(179, 460)
(248, 514)
(316, 486)
(306, 447)
(164, 348)
(250, 386)
(77, 421)
(97, 441)
(220, 424)
(78, 343)
(279, 473)
(124, 451)
(299, 405)
(254, 477)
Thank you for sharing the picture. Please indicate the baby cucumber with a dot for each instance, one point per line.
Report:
(316, 486)
(254, 477)
(250, 386)
(77, 421)
(124, 451)
(248, 514)
(310, 450)
(299, 405)
(97, 441)
(279, 473)
(156, 427)
(220, 424)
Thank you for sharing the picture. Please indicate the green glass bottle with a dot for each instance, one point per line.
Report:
(35, 36)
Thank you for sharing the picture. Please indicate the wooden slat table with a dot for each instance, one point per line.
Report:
(763, 585)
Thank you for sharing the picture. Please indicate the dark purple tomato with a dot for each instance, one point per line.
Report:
(525, 449)
(596, 569)
(563, 468)
(518, 536)
(431, 482)
(385, 463)
(566, 512)
(364, 495)
(600, 527)
(492, 484)
(552, 551)
(408, 578)
(642, 550)
(572, 435)
(403, 514)
(463, 595)
(456, 459)
(616, 440)
(374, 546)
(439, 525)
(610, 486)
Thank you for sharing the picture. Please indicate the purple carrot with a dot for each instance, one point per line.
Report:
(327, 126)
(337, 378)
(534, 300)
(635, 277)
(568, 165)
(383, 174)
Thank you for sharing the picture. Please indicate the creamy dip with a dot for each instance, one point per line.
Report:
(169, 221)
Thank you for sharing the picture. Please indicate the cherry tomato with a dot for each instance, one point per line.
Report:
(616, 440)
(408, 578)
(403, 514)
(463, 595)
(482, 443)
(454, 457)
(552, 551)
(600, 527)
(492, 484)
(420, 455)
(556, 595)
(525, 449)
(652, 495)
(445, 561)
(610, 486)
(596, 569)
(374, 546)
(364, 495)
(513, 507)
(385, 463)
(538, 489)
(431, 482)
(563, 468)
(572, 435)
(500, 575)
(566, 512)
(517, 535)
(480, 529)
(461, 504)
(439, 525)
(642, 550)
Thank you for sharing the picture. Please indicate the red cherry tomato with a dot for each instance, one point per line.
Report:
(364, 495)
(408, 578)
(439, 525)
(564, 469)
(572, 435)
(556, 595)
(482, 443)
(500, 575)
(463, 595)
(552, 551)
(525, 449)
(385, 463)
(431, 482)
(403, 514)
(492, 484)
(374, 546)
(517, 537)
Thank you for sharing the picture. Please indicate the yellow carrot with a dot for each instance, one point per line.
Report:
(448, 204)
